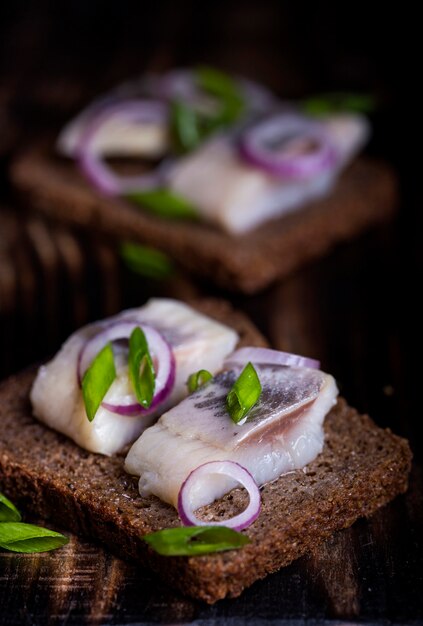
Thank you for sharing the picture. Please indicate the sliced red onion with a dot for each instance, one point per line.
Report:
(265, 356)
(178, 84)
(260, 146)
(181, 84)
(70, 136)
(160, 351)
(186, 497)
(94, 166)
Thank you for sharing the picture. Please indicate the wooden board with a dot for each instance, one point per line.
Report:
(364, 195)
(363, 573)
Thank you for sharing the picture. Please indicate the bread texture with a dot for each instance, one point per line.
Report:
(365, 194)
(361, 468)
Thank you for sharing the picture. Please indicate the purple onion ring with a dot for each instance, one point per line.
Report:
(187, 505)
(256, 147)
(95, 168)
(265, 356)
(161, 353)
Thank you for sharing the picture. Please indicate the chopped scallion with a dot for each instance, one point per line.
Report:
(244, 393)
(164, 203)
(198, 379)
(195, 540)
(141, 369)
(146, 261)
(336, 102)
(20, 537)
(8, 511)
(97, 380)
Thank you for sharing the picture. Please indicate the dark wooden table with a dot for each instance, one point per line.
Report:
(357, 310)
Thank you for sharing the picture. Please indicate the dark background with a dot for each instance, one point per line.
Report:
(357, 310)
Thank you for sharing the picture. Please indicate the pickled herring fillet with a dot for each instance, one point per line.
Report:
(196, 340)
(238, 197)
(283, 432)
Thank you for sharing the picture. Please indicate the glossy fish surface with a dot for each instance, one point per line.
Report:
(238, 197)
(196, 341)
(282, 432)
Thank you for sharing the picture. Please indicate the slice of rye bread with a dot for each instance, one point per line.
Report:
(361, 468)
(365, 194)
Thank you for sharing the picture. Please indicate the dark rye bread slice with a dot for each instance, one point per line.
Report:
(365, 194)
(361, 468)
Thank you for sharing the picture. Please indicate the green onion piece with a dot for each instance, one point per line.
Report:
(189, 126)
(244, 394)
(192, 540)
(8, 511)
(146, 261)
(198, 379)
(222, 86)
(184, 125)
(97, 380)
(19, 537)
(337, 102)
(164, 203)
(141, 369)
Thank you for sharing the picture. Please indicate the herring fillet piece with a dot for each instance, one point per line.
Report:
(197, 341)
(116, 137)
(238, 197)
(283, 432)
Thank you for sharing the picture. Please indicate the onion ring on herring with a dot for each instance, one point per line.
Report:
(259, 147)
(161, 353)
(186, 505)
(90, 160)
(265, 356)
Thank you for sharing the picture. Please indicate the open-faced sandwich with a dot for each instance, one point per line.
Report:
(171, 412)
(219, 173)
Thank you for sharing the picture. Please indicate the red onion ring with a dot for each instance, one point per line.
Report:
(265, 356)
(181, 84)
(70, 136)
(90, 160)
(186, 506)
(161, 353)
(178, 84)
(254, 147)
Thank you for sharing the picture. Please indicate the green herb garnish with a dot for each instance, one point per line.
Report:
(164, 203)
(8, 511)
(192, 540)
(244, 394)
(226, 90)
(97, 380)
(141, 369)
(198, 379)
(185, 127)
(19, 537)
(337, 102)
(190, 125)
(146, 261)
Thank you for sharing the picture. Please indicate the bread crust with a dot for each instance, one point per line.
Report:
(361, 468)
(365, 194)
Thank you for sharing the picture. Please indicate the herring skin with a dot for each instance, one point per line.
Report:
(238, 197)
(283, 432)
